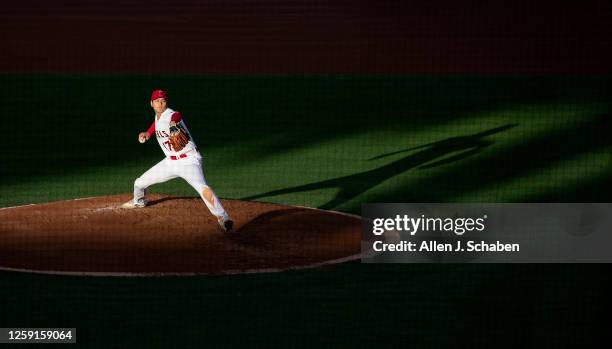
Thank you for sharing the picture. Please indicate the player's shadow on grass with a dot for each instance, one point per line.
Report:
(427, 156)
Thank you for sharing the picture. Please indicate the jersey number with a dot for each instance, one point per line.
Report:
(168, 145)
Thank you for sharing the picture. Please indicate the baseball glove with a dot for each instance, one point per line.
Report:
(178, 138)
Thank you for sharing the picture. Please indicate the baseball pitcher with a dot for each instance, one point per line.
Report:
(182, 159)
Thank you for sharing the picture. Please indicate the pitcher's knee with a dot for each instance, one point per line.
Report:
(206, 193)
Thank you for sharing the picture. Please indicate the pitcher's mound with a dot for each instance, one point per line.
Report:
(171, 236)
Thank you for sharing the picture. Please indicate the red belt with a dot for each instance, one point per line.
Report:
(184, 155)
(172, 157)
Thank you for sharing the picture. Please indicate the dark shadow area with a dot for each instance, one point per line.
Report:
(256, 234)
(264, 219)
(588, 190)
(354, 185)
(391, 292)
(303, 37)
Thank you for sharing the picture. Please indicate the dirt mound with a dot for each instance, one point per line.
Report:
(174, 235)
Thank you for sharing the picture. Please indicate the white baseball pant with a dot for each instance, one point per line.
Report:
(189, 169)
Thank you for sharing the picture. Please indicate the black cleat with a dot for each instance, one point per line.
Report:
(228, 225)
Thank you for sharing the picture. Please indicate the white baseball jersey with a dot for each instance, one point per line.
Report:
(162, 132)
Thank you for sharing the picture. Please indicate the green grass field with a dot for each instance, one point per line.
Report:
(72, 136)
(330, 142)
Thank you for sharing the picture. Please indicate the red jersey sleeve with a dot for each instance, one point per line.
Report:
(176, 117)
(151, 129)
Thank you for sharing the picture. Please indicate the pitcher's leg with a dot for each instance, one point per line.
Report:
(215, 207)
(159, 173)
(195, 177)
(212, 202)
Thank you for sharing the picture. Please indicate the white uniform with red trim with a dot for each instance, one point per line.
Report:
(186, 164)
(162, 132)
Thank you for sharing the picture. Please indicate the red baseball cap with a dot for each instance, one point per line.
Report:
(158, 94)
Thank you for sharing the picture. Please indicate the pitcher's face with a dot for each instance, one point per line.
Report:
(159, 105)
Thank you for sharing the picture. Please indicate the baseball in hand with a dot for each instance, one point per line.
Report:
(142, 137)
